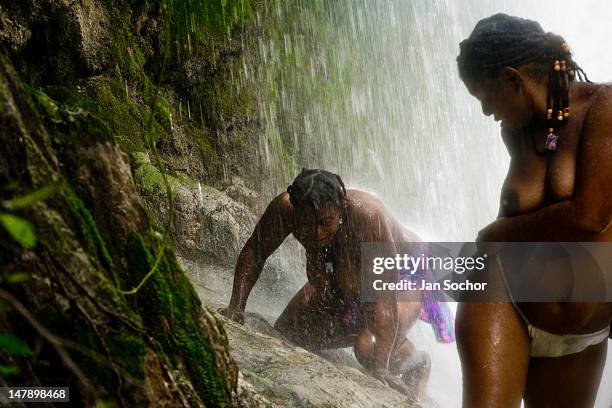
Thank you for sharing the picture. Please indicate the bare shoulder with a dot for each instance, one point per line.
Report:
(281, 205)
(599, 114)
(364, 203)
(371, 214)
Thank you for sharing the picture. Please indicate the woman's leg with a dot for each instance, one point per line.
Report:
(569, 381)
(414, 367)
(365, 342)
(493, 347)
(314, 322)
(405, 360)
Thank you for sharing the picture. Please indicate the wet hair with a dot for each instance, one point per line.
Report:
(506, 41)
(316, 188)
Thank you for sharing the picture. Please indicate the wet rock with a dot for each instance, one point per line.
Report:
(274, 289)
(60, 39)
(206, 222)
(278, 372)
(290, 376)
(93, 33)
(13, 29)
(103, 178)
(246, 396)
(241, 193)
(76, 277)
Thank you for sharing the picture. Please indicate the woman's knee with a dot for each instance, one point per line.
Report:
(364, 347)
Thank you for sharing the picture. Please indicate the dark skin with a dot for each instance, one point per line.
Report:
(313, 319)
(561, 196)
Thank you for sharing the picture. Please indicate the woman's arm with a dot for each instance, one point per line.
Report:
(589, 211)
(382, 317)
(271, 230)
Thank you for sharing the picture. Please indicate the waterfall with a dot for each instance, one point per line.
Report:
(369, 89)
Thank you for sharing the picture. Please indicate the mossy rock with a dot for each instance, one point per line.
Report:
(80, 274)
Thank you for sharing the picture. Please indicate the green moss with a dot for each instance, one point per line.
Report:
(45, 104)
(139, 158)
(163, 114)
(226, 99)
(105, 102)
(124, 103)
(94, 243)
(127, 101)
(171, 310)
(125, 51)
(206, 150)
(150, 179)
(193, 20)
(110, 99)
(100, 374)
(129, 350)
(72, 120)
(134, 114)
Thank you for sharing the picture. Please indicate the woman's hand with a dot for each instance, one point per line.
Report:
(395, 382)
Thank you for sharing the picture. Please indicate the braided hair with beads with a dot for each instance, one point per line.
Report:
(506, 41)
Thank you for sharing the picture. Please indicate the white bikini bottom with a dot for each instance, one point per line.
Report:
(545, 344)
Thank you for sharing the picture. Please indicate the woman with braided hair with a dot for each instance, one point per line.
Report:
(331, 222)
(558, 132)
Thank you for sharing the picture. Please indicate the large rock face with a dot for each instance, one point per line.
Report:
(275, 373)
(290, 376)
(206, 223)
(106, 93)
(158, 72)
(98, 82)
(70, 310)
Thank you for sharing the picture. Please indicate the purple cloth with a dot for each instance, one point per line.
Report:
(351, 313)
(433, 311)
(440, 317)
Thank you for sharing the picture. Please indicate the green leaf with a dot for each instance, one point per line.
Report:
(15, 277)
(13, 346)
(30, 199)
(18, 228)
(6, 370)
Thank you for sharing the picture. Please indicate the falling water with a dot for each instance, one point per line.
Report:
(369, 89)
(200, 196)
